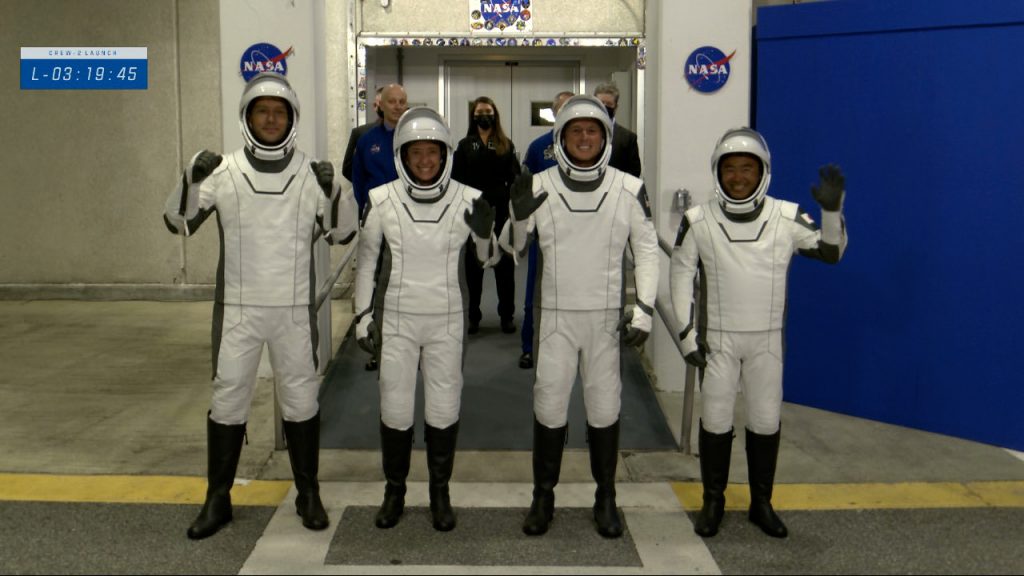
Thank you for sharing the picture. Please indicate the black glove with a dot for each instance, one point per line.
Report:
(630, 336)
(324, 175)
(829, 191)
(481, 219)
(204, 165)
(699, 357)
(369, 343)
(521, 194)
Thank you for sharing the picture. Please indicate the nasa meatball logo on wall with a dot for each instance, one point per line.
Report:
(707, 69)
(264, 57)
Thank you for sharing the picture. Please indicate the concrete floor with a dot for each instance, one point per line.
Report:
(121, 388)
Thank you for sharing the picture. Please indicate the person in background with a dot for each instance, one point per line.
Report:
(625, 150)
(486, 160)
(357, 133)
(742, 242)
(411, 312)
(373, 163)
(539, 157)
(273, 202)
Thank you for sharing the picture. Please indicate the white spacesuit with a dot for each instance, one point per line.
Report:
(584, 215)
(272, 203)
(411, 306)
(743, 247)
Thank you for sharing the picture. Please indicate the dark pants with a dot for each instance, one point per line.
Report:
(504, 278)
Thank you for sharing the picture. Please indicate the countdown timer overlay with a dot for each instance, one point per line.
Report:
(61, 68)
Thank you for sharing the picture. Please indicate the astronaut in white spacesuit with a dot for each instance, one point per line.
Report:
(742, 242)
(272, 203)
(584, 215)
(420, 225)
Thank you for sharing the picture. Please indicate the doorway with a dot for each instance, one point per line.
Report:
(521, 89)
(497, 399)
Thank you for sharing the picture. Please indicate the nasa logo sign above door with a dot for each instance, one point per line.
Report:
(500, 16)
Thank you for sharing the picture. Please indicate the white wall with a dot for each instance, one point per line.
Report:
(682, 125)
(87, 172)
(283, 24)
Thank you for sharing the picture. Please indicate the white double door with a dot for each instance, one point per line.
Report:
(521, 90)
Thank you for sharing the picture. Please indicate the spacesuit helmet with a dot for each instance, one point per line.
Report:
(742, 140)
(576, 108)
(272, 85)
(416, 125)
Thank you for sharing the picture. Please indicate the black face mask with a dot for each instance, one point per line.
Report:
(611, 112)
(484, 121)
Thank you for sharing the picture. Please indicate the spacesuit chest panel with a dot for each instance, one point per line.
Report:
(268, 221)
(426, 240)
(582, 236)
(746, 265)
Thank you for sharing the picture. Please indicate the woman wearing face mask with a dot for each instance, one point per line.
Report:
(486, 160)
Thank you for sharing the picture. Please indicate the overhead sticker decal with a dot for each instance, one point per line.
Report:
(500, 17)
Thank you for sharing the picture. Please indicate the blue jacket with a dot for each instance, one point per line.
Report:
(373, 163)
(541, 154)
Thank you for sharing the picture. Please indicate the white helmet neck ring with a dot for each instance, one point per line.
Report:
(742, 141)
(580, 107)
(423, 124)
(269, 85)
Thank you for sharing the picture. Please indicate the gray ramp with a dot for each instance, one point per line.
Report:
(497, 396)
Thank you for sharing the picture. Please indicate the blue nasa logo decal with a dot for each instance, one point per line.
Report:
(707, 69)
(264, 57)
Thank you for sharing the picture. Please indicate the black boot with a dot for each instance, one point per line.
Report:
(304, 452)
(715, 455)
(547, 464)
(396, 450)
(440, 461)
(762, 454)
(604, 458)
(224, 447)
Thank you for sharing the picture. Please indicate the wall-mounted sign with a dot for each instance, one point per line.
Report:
(707, 69)
(264, 57)
(500, 17)
(63, 68)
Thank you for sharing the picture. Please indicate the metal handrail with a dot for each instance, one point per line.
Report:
(325, 289)
(668, 318)
(322, 296)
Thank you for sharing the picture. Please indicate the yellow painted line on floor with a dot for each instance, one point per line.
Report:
(997, 494)
(134, 489)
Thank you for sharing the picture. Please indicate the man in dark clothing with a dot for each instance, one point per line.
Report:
(625, 150)
(357, 133)
(373, 162)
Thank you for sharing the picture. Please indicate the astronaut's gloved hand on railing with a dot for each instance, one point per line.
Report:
(633, 327)
(367, 336)
(695, 351)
